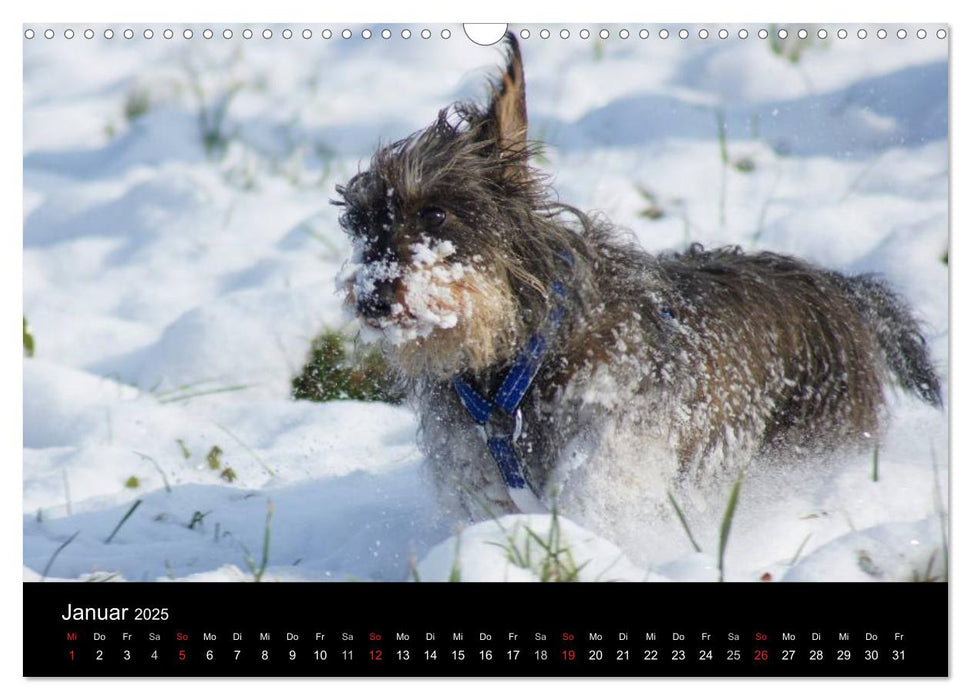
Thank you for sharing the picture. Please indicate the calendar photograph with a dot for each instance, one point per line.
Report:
(395, 303)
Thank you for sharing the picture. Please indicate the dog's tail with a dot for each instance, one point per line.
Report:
(899, 336)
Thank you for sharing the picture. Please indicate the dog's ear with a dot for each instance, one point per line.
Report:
(508, 106)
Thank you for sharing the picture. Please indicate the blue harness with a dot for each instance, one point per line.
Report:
(500, 418)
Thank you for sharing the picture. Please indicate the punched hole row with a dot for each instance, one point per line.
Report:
(781, 33)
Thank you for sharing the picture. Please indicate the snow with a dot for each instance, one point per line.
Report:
(173, 286)
(429, 301)
(516, 548)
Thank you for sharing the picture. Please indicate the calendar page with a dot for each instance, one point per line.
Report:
(487, 350)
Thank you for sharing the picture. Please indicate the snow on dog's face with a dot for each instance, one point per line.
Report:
(400, 303)
(415, 284)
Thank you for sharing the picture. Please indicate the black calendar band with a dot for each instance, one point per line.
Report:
(380, 629)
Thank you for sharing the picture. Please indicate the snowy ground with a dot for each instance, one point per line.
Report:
(180, 254)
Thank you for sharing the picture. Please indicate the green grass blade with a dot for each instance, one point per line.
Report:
(50, 562)
(266, 543)
(266, 467)
(941, 510)
(158, 468)
(28, 340)
(802, 545)
(204, 392)
(455, 575)
(123, 520)
(684, 521)
(726, 527)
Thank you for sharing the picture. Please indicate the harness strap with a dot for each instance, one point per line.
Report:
(501, 418)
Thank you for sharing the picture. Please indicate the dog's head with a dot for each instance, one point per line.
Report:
(443, 222)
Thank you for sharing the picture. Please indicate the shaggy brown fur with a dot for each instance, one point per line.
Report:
(705, 359)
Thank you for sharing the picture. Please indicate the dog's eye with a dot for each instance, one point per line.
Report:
(432, 218)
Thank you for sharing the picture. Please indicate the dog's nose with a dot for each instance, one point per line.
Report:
(378, 303)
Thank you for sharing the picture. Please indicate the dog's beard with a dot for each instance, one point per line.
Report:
(446, 317)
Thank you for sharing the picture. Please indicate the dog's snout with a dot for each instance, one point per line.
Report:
(378, 303)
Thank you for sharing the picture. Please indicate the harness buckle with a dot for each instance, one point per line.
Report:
(502, 424)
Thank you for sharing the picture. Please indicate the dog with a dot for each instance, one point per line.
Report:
(555, 364)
